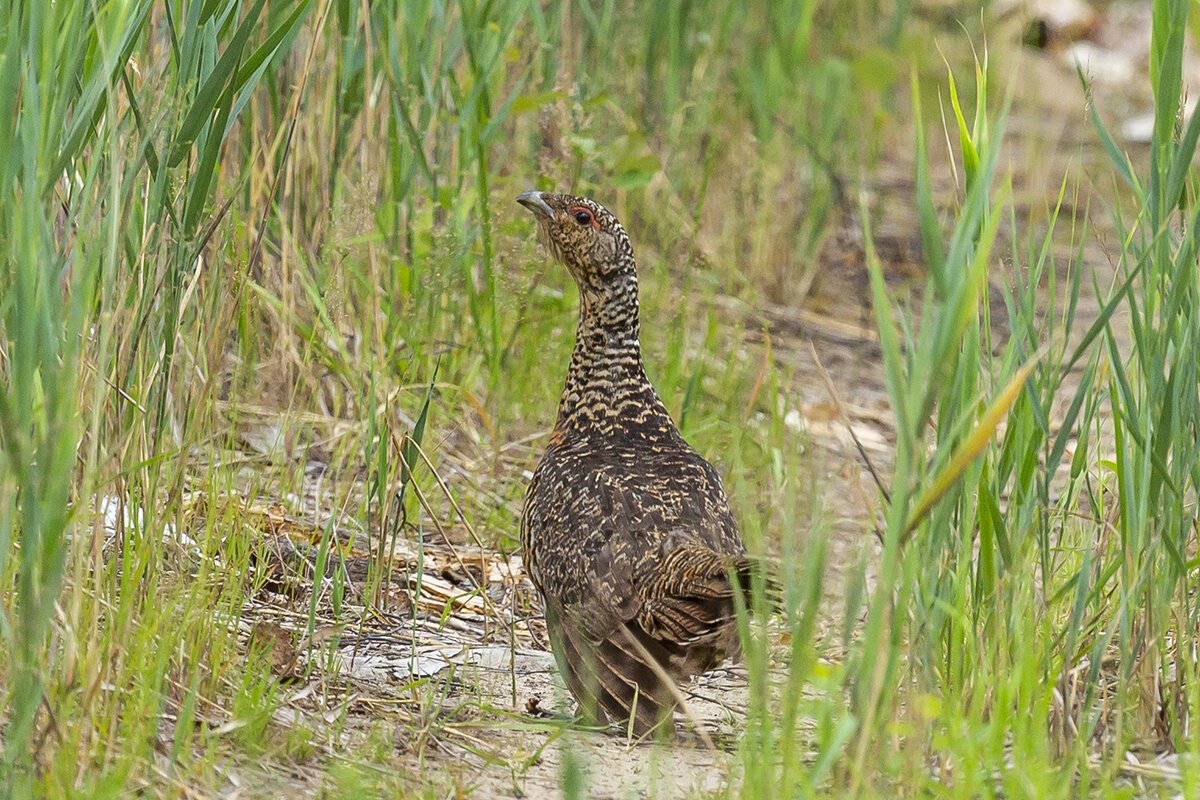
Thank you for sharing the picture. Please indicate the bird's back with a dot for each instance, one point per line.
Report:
(631, 547)
(586, 495)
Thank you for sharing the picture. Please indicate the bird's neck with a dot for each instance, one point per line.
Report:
(607, 391)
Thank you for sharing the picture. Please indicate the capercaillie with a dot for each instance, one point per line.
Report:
(626, 532)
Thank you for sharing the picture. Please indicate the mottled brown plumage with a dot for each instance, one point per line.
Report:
(627, 532)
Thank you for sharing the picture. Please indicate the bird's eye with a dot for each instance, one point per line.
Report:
(583, 216)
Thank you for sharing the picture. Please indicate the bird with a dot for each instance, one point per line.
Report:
(626, 531)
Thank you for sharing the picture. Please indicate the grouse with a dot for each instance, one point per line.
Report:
(626, 531)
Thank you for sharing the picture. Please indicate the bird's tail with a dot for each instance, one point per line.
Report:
(621, 678)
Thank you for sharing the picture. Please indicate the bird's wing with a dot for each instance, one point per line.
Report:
(648, 595)
(653, 618)
(675, 587)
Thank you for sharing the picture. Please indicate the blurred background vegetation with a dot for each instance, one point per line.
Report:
(247, 243)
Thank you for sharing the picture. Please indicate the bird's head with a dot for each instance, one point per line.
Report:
(583, 236)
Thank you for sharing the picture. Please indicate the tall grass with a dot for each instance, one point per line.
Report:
(107, 225)
(1153, 392)
(1031, 631)
(291, 225)
(224, 213)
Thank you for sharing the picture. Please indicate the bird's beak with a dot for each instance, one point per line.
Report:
(534, 202)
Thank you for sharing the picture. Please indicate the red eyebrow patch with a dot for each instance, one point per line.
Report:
(575, 210)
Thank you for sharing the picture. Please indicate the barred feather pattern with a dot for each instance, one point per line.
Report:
(627, 532)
